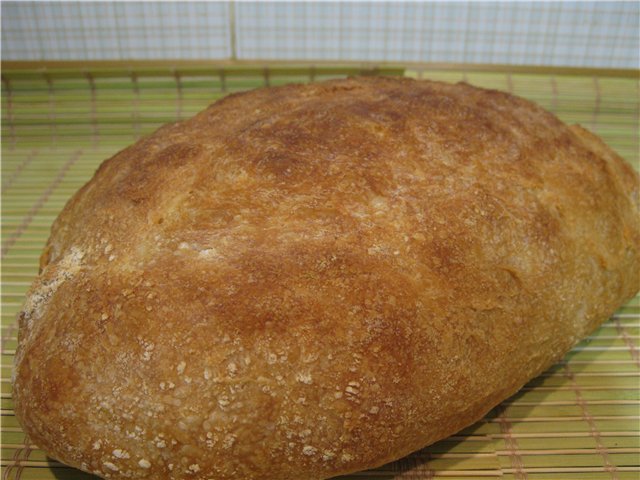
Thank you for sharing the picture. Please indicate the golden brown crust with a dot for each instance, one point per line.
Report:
(315, 279)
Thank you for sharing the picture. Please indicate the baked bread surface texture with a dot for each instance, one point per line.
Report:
(311, 280)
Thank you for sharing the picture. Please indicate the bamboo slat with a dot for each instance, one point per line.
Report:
(579, 420)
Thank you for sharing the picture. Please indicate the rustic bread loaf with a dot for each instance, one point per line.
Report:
(311, 280)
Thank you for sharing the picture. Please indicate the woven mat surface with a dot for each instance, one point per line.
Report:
(579, 420)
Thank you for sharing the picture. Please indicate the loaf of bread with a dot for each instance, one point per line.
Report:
(311, 280)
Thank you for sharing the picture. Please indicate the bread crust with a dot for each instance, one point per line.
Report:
(311, 280)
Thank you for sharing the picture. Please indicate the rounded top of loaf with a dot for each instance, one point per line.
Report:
(313, 279)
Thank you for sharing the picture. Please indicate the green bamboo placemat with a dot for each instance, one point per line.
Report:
(579, 420)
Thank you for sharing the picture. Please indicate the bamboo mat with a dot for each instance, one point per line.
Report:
(579, 420)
